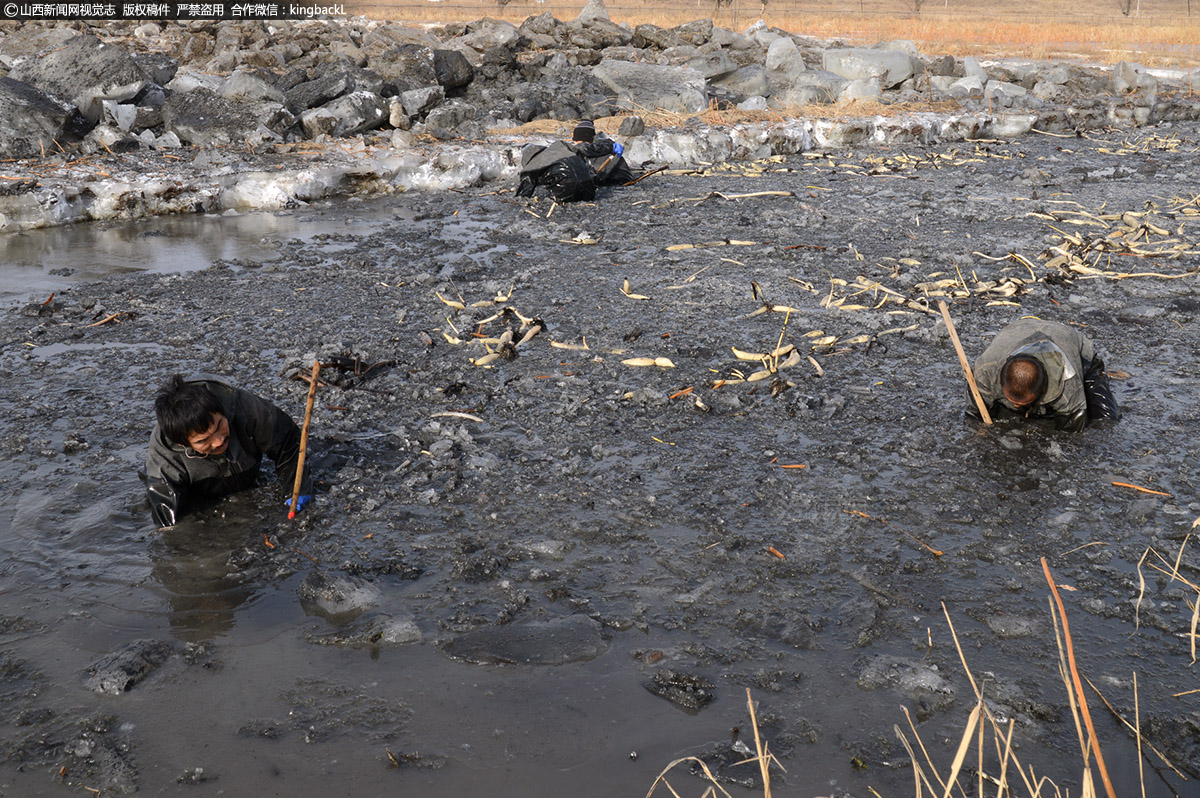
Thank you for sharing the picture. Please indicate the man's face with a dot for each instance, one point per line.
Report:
(213, 440)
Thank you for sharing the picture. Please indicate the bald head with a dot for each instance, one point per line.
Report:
(1023, 380)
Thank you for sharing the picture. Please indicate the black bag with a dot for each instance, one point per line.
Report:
(559, 169)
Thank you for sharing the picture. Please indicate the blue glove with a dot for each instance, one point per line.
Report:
(618, 148)
(301, 500)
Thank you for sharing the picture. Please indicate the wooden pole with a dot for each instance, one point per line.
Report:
(312, 392)
(962, 360)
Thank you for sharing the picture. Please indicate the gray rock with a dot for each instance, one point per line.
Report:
(1128, 77)
(863, 89)
(969, 86)
(418, 102)
(315, 93)
(814, 86)
(84, 72)
(190, 80)
(647, 35)
(946, 66)
(159, 67)
(573, 638)
(597, 34)
(972, 68)
(452, 119)
(347, 115)
(409, 66)
(31, 120)
(242, 85)
(484, 35)
(675, 89)
(890, 67)
(747, 81)
(711, 65)
(119, 671)
(203, 117)
(632, 126)
(698, 32)
(452, 68)
(784, 63)
(594, 10)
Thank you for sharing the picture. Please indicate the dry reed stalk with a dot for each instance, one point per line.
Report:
(1132, 728)
(763, 764)
(1137, 721)
(662, 777)
(1093, 742)
(963, 745)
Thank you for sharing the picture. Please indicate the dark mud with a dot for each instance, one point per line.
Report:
(648, 531)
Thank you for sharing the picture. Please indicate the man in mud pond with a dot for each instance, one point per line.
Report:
(1043, 369)
(208, 442)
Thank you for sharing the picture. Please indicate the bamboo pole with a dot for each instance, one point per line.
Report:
(962, 360)
(308, 406)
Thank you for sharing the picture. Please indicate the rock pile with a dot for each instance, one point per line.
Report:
(426, 107)
(122, 85)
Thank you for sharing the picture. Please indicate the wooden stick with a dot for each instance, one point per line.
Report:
(1093, 742)
(962, 360)
(312, 392)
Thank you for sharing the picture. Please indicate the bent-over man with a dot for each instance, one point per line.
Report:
(209, 440)
(1045, 369)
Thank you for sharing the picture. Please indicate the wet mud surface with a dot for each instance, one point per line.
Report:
(523, 572)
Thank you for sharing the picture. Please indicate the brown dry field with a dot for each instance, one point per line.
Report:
(1161, 33)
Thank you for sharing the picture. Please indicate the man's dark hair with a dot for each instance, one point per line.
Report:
(1023, 380)
(184, 408)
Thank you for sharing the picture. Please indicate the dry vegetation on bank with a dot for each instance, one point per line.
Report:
(1163, 33)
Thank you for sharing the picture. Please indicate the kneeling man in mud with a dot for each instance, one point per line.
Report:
(208, 442)
(1043, 369)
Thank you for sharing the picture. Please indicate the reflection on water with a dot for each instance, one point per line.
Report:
(34, 263)
(204, 589)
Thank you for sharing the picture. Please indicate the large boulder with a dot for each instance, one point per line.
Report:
(242, 85)
(784, 62)
(748, 81)
(347, 115)
(84, 72)
(712, 64)
(1128, 77)
(814, 86)
(698, 32)
(890, 67)
(203, 117)
(648, 86)
(409, 66)
(31, 120)
(594, 11)
(452, 68)
(647, 35)
(483, 35)
(596, 34)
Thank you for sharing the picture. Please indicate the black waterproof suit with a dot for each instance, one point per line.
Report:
(1077, 388)
(176, 474)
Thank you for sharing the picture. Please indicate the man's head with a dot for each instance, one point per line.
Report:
(1023, 381)
(190, 415)
(584, 131)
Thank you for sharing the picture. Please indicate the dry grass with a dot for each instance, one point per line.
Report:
(1155, 33)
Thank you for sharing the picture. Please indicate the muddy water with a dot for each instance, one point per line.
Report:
(574, 510)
